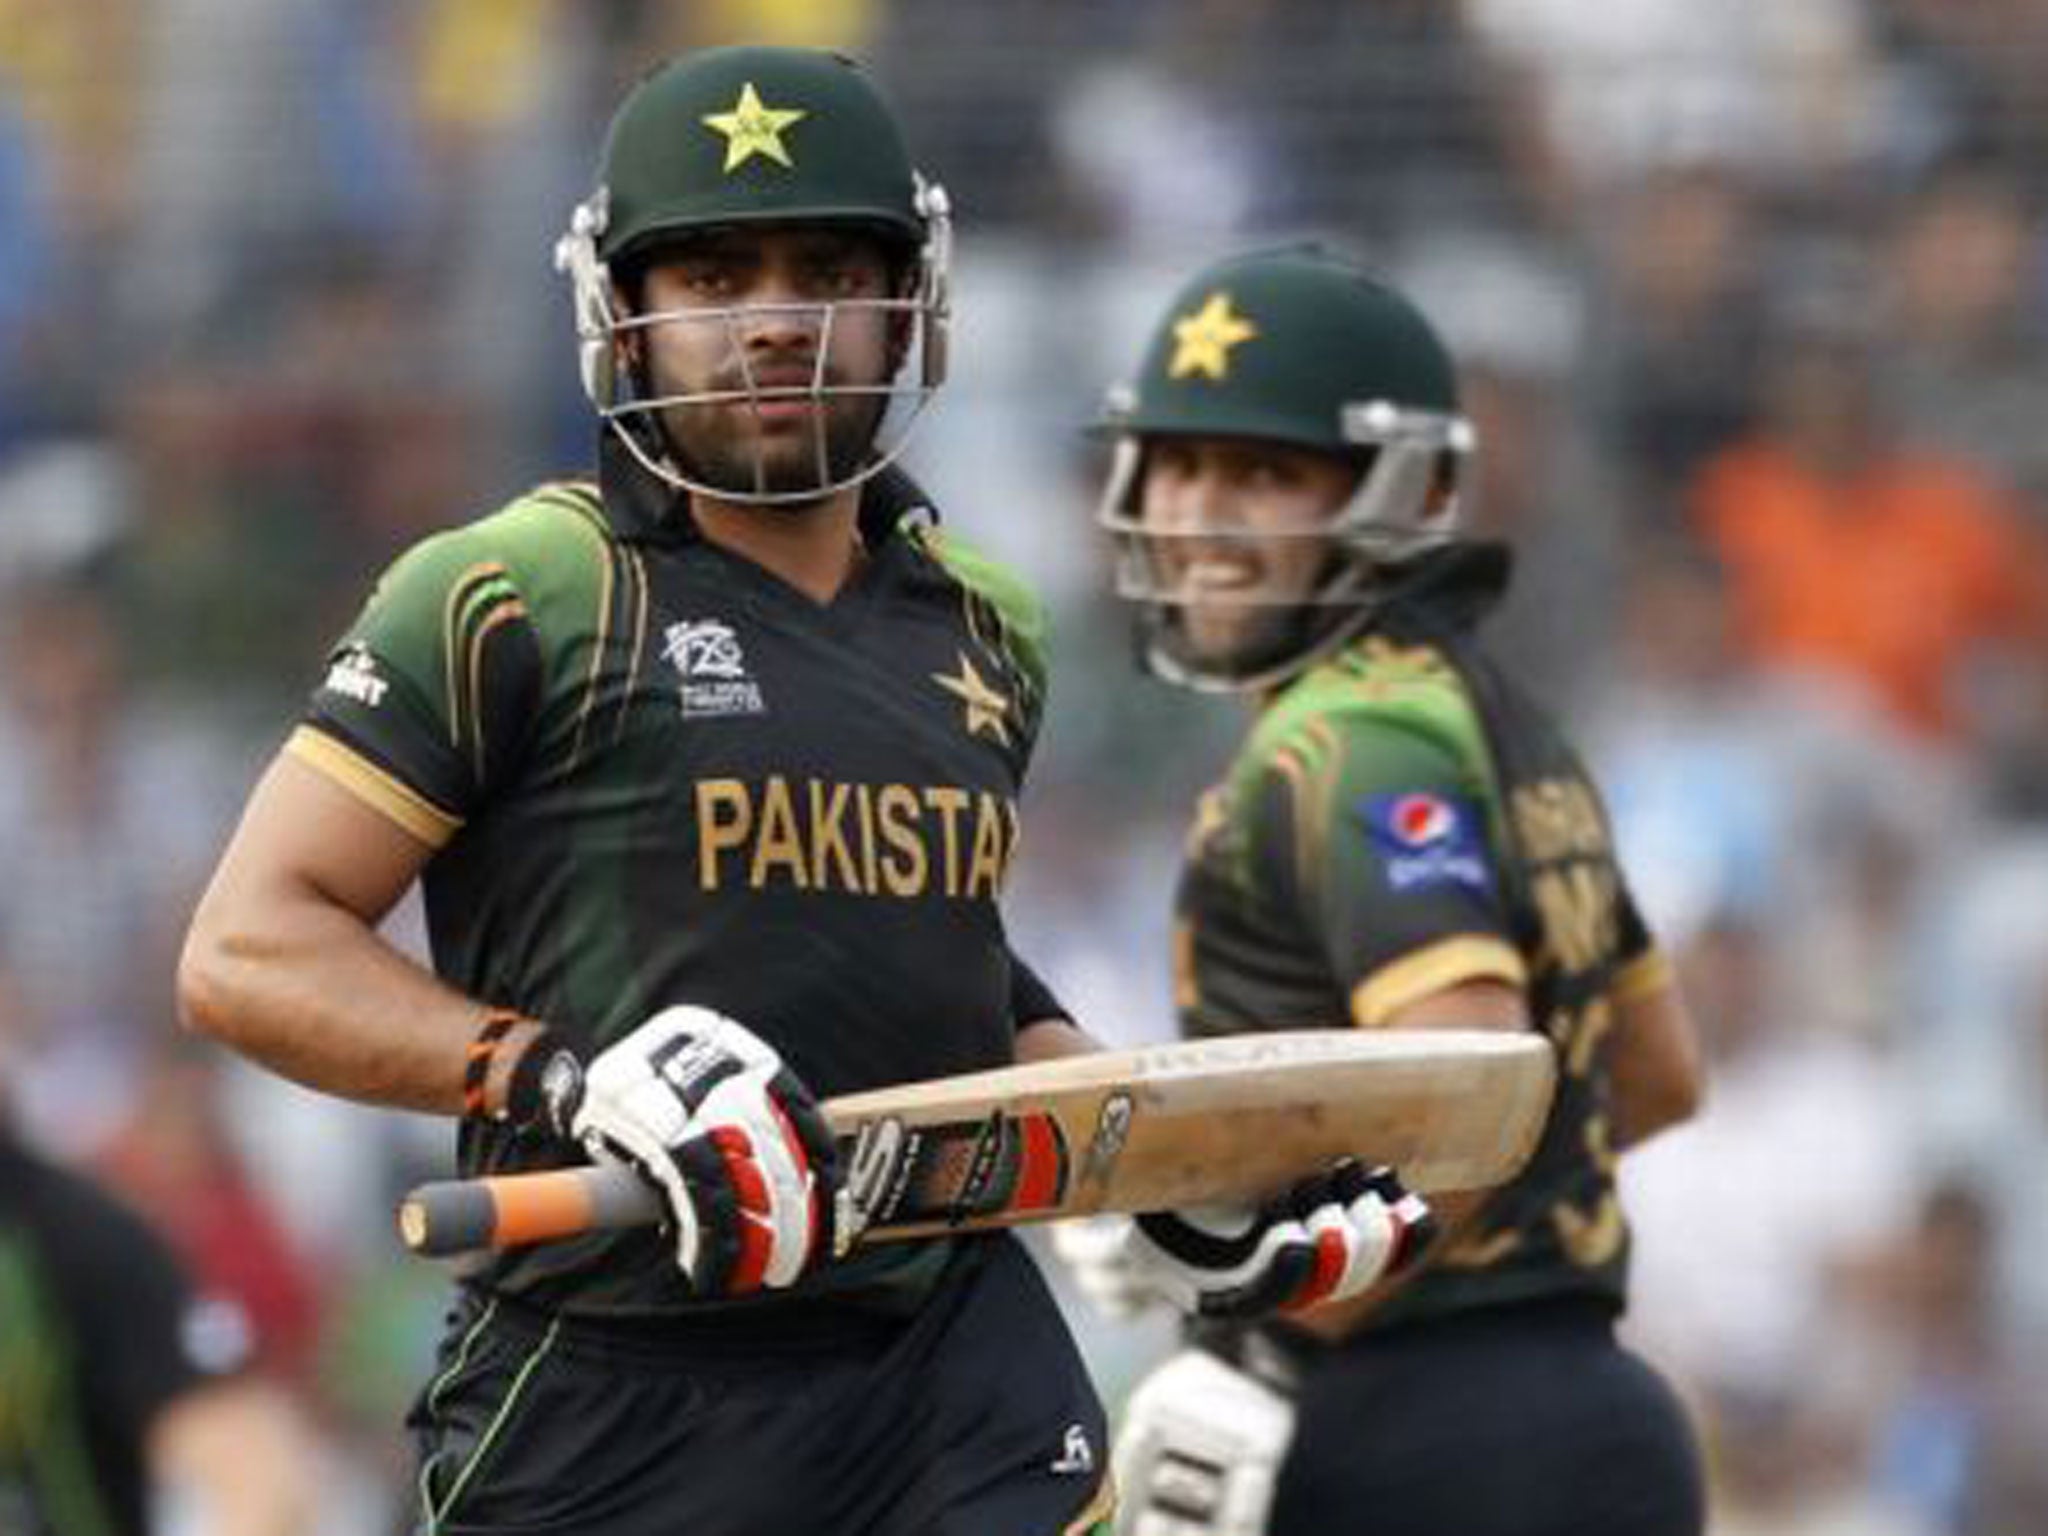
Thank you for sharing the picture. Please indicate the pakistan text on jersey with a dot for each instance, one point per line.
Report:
(862, 839)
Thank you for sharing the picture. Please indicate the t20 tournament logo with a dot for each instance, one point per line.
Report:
(1428, 839)
(706, 654)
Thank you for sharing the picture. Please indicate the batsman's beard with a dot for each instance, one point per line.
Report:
(784, 444)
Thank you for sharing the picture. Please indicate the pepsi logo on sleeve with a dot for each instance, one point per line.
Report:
(1427, 839)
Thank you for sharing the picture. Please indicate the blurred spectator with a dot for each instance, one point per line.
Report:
(1979, 1046)
(221, 161)
(1966, 330)
(275, 480)
(108, 815)
(65, 506)
(505, 94)
(1675, 337)
(978, 99)
(28, 266)
(1958, 1417)
(1742, 1216)
(1970, 75)
(1514, 321)
(176, 1159)
(1752, 797)
(1782, 91)
(1850, 553)
(1388, 124)
(847, 25)
(1149, 165)
(125, 1393)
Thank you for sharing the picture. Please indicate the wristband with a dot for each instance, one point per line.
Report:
(476, 1068)
(546, 1088)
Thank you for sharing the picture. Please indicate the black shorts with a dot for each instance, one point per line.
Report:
(973, 1417)
(1512, 1421)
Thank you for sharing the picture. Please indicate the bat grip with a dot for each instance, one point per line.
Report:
(455, 1216)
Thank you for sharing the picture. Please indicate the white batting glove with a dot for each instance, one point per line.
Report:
(1329, 1238)
(708, 1111)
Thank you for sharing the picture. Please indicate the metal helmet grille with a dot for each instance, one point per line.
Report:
(858, 427)
(1407, 502)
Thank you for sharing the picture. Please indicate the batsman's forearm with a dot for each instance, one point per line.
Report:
(1656, 1069)
(1047, 1039)
(310, 991)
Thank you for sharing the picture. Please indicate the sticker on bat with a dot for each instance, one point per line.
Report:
(878, 1162)
(1112, 1131)
(951, 1173)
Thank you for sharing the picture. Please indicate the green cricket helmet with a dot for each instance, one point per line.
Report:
(752, 136)
(1303, 348)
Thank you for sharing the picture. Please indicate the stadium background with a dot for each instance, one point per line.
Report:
(1752, 302)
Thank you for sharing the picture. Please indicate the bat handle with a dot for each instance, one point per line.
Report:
(453, 1216)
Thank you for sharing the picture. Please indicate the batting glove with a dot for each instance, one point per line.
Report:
(1331, 1237)
(708, 1112)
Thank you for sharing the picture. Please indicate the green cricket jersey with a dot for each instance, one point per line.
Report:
(652, 773)
(1403, 819)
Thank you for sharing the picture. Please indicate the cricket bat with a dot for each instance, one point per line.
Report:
(1232, 1119)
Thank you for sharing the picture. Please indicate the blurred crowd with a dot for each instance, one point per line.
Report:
(1751, 301)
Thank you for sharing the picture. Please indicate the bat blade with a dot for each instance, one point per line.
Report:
(1233, 1119)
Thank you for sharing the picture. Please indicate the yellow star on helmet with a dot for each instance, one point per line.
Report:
(753, 128)
(985, 706)
(1202, 340)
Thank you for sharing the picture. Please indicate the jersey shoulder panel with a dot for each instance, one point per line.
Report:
(1379, 716)
(465, 642)
(549, 552)
(1001, 601)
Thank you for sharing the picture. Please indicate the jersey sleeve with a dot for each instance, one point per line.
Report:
(1378, 837)
(1641, 966)
(1031, 1000)
(428, 698)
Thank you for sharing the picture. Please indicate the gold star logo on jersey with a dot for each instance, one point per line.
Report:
(1202, 340)
(985, 706)
(754, 128)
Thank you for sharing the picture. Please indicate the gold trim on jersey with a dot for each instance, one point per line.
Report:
(398, 802)
(1310, 759)
(1446, 963)
(505, 608)
(1648, 972)
(454, 611)
(1480, 1250)
(636, 571)
(598, 645)
(1098, 1512)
